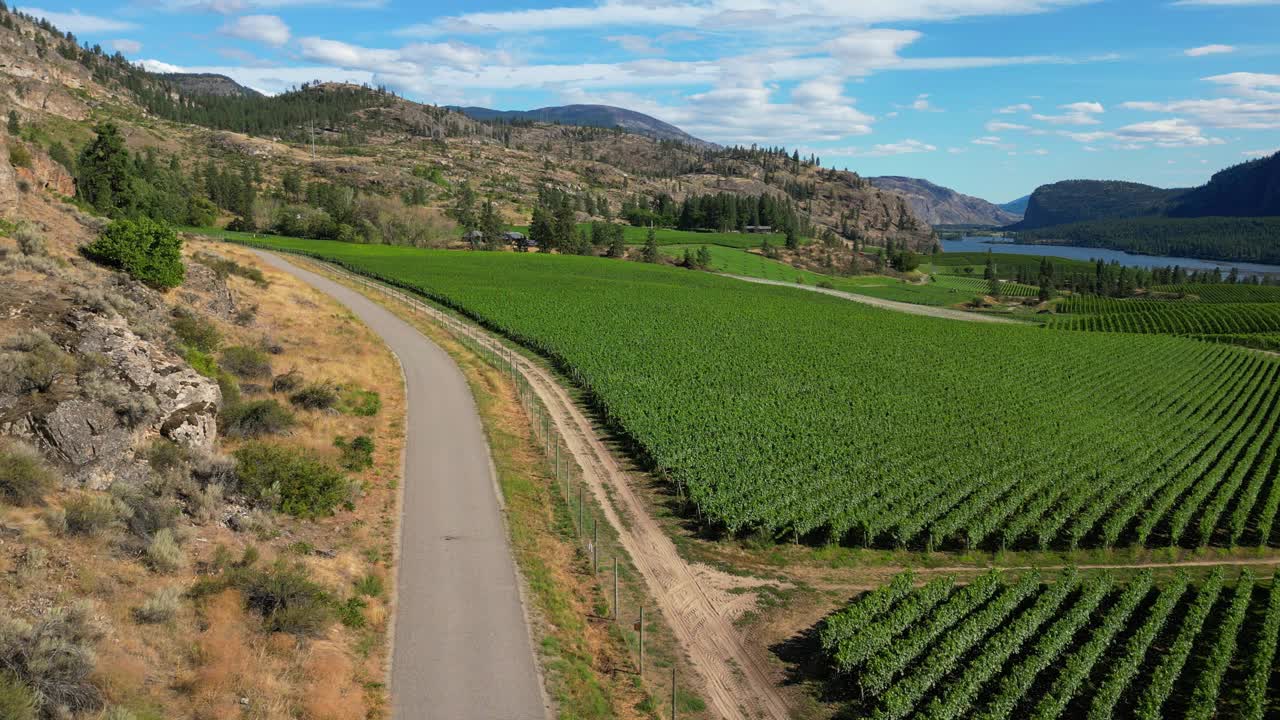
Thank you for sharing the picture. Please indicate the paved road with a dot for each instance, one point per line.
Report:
(461, 642)
(930, 311)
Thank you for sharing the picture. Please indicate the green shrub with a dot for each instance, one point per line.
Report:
(54, 659)
(255, 419)
(357, 454)
(89, 514)
(351, 612)
(288, 382)
(161, 607)
(149, 251)
(16, 700)
(286, 598)
(163, 554)
(315, 397)
(289, 481)
(166, 456)
(195, 331)
(224, 267)
(245, 362)
(363, 403)
(19, 155)
(370, 585)
(24, 475)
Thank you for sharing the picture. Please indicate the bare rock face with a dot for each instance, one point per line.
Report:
(88, 437)
(188, 402)
(8, 183)
(203, 286)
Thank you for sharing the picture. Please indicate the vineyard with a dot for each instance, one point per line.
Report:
(1224, 293)
(1175, 317)
(1077, 647)
(979, 286)
(805, 416)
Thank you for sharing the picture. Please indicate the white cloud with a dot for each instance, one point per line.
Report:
(639, 44)
(78, 22)
(763, 15)
(1260, 153)
(231, 7)
(905, 147)
(1014, 109)
(865, 50)
(1039, 151)
(126, 46)
(267, 29)
(995, 126)
(1228, 3)
(1249, 84)
(988, 140)
(1209, 50)
(156, 66)
(1077, 113)
(1232, 113)
(1167, 133)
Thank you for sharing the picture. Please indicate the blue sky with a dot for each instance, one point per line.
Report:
(991, 97)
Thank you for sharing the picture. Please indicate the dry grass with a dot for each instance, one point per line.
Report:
(211, 655)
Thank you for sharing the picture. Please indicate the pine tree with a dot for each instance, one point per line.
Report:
(650, 252)
(490, 225)
(13, 127)
(104, 174)
(704, 257)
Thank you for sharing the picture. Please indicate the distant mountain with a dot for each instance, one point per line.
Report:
(938, 205)
(1074, 201)
(1017, 207)
(209, 84)
(1250, 189)
(602, 116)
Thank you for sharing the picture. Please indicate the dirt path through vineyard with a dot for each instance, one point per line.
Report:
(737, 679)
(909, 308)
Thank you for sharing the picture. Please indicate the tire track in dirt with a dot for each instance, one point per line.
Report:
(737, 680)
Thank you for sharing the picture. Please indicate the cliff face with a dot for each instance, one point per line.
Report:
(938, 205)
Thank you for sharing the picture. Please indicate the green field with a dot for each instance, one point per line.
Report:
(801, 415)
(737, 261)
(1078, 647)
(670, 236)
(1173, 317)
(973, 264)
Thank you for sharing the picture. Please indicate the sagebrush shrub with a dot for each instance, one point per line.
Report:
(287, 382)
(195, 331)
(163, 553)
(54, 658)
(357, 453)
(286, 598)
(89, 514)
(315, 397)
(255, 419)
(33, 363)
(246, 362)
(30, 241)
(25, 477)
(161, 607)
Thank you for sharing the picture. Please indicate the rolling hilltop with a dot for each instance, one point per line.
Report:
(938, 205)
(601, 116)
(1231, 217)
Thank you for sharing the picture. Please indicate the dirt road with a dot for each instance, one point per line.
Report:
(737, 680)
(461, 645)
(938, 312)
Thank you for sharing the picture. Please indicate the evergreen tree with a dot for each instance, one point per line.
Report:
(650, 252)
(793, 240)
(540, 229)
(490, 226)
(13, 126)
(704, 257)
(564, 227)
(104, 175)
(617, 242)
(464, 207)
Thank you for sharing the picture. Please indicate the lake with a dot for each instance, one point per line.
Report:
(1002, 246)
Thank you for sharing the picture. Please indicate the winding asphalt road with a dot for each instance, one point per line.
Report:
(461, 646)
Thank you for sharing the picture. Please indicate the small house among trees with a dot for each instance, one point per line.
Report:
(759, 228)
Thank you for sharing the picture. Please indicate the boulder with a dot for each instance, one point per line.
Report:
(188, 402)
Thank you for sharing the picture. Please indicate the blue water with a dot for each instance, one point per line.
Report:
(1002, 246)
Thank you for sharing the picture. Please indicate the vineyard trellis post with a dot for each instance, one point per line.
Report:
(641, 626)
(615, 589)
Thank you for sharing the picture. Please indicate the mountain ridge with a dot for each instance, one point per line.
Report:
(587, 115)
(938, 205)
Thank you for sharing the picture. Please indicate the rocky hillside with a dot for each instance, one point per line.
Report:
(208, 84)
(1074, 201)
(938, 205)
(599, 116)
(1250, 189)
(1016, 207)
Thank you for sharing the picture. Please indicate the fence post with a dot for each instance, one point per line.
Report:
(642, 642)
(615, 589)
(673, 691)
